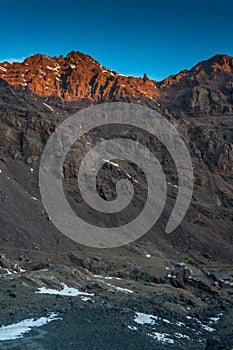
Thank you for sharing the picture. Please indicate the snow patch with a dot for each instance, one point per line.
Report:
(203, 326)
(66, 291)
(207, 328)
(142, 318)
(109, 162)
(125, 290)
(181, 336)
(161, 337)
(45, 104)
(53, 68)
(17, 330)
(83, 298)
(107, 277)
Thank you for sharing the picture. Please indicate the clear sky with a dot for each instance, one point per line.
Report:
(131, 37)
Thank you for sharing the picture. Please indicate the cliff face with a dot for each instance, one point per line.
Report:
(207, 89)
(76, 76)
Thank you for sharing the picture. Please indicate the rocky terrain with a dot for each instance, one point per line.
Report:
(35, 97)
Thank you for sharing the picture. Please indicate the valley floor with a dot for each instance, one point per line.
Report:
(103, 312)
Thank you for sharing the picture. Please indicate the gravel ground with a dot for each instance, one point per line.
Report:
(108, 320)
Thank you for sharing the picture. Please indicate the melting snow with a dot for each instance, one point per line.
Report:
(15, 270)
(21, 270)
(123, 75)
(83, 298)
(8, 271)
(109, 162)
(107, 277)
(16, 330)
(145, 318)
(170, 184)
(66, 291)
(181, 336)
(53, 68)
(218, 202)
(215, 319)
(203, 326)
(166, 321)
(162, 337)
(45, 104)
(119, 289)
(207, 328)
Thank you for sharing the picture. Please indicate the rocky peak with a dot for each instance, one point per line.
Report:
(76, 76)
(221, 63)
(206, 89)
(207, 68)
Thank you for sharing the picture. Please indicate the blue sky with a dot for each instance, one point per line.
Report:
(131, 37)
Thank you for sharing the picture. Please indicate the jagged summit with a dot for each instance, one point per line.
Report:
(75, 76)
(204, 89)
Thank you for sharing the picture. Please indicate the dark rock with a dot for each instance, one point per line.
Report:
(220, 343)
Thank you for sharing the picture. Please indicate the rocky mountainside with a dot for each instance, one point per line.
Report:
(186, 275)
(36, 95)
(206, 89)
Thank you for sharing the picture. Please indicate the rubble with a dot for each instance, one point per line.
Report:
(220, 278)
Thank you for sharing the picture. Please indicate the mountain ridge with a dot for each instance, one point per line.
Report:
(75, 76)
(205, 89)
